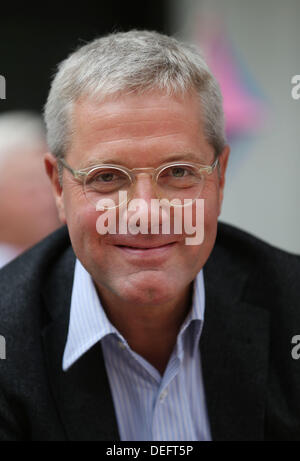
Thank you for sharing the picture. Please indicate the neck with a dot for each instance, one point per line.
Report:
(150, 331)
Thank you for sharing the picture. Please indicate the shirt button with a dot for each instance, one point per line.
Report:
(163, 395)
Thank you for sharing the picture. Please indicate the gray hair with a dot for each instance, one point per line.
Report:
(127, 62)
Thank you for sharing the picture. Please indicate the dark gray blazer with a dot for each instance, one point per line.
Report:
(252, 382)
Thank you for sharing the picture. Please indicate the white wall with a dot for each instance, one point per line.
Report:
(263, 189)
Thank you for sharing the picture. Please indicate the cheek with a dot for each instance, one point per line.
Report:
(211, 213)
(206, 224)
(84, 224)
(81, 220)
(211, 195)
(205, 212)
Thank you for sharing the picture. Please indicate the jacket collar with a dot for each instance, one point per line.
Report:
(82, 394)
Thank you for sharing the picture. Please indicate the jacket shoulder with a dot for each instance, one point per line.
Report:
(22, 279)
(272, 273)
(242, 244)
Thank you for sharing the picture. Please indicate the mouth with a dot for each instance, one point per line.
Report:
(154, 251)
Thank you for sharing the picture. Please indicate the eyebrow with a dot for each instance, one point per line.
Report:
(175, 157)
(187, 156)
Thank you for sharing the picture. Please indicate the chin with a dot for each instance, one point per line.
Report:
(152, 287)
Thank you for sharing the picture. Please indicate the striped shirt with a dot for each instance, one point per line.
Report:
(148, 406)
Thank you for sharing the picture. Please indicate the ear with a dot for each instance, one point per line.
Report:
(223, 162)
(52, 172)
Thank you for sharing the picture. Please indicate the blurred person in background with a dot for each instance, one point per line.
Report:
(27, 209)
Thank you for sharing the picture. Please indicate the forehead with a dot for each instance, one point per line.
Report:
(136, 127)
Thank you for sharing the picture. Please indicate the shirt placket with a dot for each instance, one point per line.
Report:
(162, 407)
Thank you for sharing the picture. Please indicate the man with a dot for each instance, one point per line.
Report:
(27, 208)
(140, 335)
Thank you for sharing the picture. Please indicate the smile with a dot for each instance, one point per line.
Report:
(147, 252)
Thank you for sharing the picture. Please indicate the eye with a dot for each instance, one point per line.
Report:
(179, 176)
(106, 177)
(178, 172)
(174, 172)
(106, 180)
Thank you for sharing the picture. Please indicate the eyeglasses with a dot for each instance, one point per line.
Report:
(179, 182)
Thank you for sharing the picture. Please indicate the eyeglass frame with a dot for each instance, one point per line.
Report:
(78, 174)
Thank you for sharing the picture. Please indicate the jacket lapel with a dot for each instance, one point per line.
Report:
(234, 353)
(82, 394)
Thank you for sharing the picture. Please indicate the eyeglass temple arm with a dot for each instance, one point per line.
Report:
(76, 174)
(210, 168)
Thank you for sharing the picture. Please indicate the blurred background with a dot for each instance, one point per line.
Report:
(252, 48)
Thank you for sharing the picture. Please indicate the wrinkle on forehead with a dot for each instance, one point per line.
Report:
(137, 124)
(124, 110)
(112, 126)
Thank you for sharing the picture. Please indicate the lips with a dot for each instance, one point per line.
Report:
(140, 247)
(143, 253)
(140, 242)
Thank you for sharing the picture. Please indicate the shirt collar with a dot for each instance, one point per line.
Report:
(89, 323)
(8, 253)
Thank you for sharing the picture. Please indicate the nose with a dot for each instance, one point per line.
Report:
(141, 204)
(143, 187)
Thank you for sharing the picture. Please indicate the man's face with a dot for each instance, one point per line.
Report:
(138, 131)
